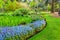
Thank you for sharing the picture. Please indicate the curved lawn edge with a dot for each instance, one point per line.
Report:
(43, 27)
(23, 31)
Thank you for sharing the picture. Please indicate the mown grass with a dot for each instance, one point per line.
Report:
(52, 30)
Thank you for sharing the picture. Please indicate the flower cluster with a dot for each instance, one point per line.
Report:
(21, 30)
(37, 24)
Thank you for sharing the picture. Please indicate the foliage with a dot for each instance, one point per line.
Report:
(9, 20)
(13, 20)
(32, 4)
(57, 6)
(1, 4)
(20, 32)
(21, 11)
(52, 30)
(49, 7)
(11, 6)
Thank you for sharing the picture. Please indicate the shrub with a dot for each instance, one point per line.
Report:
(24, 11)
(14, 20)
(48, 7)
(16, 13)
(11, 6)
(33, 4)
(21, 11)
(1, 4)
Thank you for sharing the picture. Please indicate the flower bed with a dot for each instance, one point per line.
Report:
(21, 32)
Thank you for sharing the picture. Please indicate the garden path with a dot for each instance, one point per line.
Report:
(55, 14)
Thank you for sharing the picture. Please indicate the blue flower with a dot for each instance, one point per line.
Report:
(8, 32)
(36, 24)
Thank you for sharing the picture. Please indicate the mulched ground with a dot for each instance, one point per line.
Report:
(55, 14)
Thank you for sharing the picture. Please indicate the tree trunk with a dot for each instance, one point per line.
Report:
(52, 6)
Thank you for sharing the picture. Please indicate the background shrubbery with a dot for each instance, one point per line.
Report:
(11, 5)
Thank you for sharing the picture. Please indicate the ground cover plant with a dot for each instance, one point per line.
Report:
(13, 20)
(21, 32)
(18, 17)
(52, 30)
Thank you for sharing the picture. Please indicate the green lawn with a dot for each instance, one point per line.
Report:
(52, 30)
